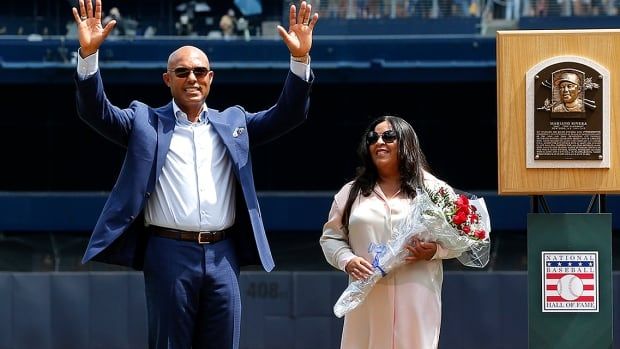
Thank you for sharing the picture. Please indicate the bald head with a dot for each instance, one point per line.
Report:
(185, 53)
(189, 78)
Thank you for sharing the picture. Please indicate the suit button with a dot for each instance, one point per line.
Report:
(147, 195)
(131, 218)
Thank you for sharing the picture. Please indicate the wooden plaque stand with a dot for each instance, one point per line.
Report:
(517, 53)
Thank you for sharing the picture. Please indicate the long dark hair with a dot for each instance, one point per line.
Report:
(411, 164)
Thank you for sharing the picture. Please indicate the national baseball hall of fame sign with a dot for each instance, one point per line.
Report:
(567, 116)
(570, 281)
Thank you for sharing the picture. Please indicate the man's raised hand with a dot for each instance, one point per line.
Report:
(91, 33)
(298, 38)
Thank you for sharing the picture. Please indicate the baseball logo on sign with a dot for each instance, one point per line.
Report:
(570, 287)
(570, 281)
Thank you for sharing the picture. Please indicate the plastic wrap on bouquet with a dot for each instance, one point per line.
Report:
(429, 222)
(474, 250)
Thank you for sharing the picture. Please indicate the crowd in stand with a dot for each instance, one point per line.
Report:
(376, 9)
(496, 9)
(572, 8)
(189, 20)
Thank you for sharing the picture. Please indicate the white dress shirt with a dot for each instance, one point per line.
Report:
(196, 188)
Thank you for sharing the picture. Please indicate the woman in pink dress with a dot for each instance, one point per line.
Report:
(403, 310)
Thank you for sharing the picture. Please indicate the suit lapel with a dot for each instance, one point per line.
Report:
(165, 128)
(223, 130)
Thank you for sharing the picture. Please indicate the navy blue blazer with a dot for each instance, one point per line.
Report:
(119, 236)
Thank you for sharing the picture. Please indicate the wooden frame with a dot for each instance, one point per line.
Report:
(517, 53)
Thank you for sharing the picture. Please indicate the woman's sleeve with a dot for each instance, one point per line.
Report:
(334, 240)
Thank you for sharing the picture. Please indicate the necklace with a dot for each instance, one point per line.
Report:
(390, 191)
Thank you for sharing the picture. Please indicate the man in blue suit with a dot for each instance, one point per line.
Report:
(184, 207)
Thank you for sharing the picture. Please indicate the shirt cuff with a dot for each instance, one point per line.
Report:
(441, 252)
(344, 260)
(301, 69)
(86, 67)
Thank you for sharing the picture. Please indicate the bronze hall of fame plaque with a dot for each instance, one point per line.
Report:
(568, 114)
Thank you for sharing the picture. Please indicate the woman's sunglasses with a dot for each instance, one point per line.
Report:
(199, 72)
(388, 136)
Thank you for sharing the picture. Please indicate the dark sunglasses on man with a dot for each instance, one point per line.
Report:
(182, 72)
(388, 136)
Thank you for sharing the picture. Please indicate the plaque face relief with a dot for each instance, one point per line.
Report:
(567, 101)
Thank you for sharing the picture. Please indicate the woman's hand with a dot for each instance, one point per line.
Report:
(359, 268)
(420, 250)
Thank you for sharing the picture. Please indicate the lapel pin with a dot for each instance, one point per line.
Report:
(238, 131)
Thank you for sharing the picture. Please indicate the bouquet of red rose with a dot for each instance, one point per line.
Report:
(459, 224)
(455, 222)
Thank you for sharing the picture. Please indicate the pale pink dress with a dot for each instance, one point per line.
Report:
(403, 310)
